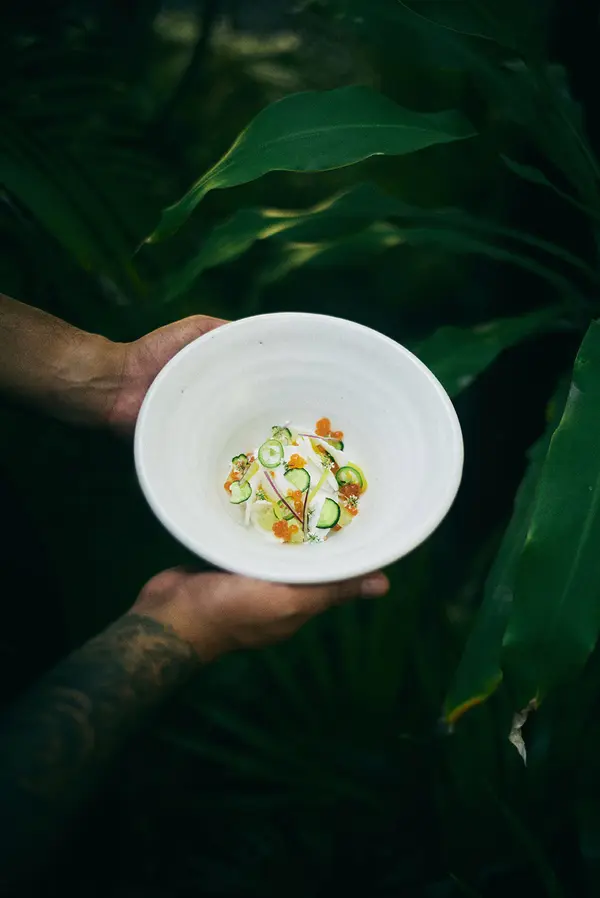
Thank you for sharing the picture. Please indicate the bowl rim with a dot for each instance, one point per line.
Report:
(301, 577)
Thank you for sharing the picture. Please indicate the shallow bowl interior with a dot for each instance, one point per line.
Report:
(220, 396)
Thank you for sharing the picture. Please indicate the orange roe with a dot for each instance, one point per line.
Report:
(350, 489)
(337, 527)
(352, 510)
(296, 461)
(282, 530)
(296, 497)
(323, 429)
(234, 475)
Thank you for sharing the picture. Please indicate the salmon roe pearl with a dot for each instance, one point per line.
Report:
(323, 427)
(337, 434)
(296, 461)
(283, 531)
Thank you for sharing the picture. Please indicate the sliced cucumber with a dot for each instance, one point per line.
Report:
(240, 461)
(239, 492)
(283, 434)
(299, 477)
(282, 512)
(337, 444)
(349, 474)
(270, 454)
(330, 515)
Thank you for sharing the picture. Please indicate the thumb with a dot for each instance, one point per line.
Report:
(182, 332)
(314, 599)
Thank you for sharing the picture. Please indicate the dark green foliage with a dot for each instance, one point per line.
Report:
(371, 754)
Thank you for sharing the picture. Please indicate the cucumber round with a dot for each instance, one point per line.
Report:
(299, 477)
(283, 434)
(348, 474)
(330, 515)
(282, 512)
(240, 460)
(239, 492)
(270, 454)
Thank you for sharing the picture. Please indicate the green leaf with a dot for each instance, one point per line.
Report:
(337, 216)
(355, 249)
(318, 131)
(535, 176)
(479, 672)
(381, 236)
(311, 236)
(457, 242)
(404, 36)
(555, 619)
(54, 189)
(519, 26)
(532, 174)
(543, 106)
(458, 355)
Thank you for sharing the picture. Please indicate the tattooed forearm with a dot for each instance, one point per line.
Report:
(57, 738)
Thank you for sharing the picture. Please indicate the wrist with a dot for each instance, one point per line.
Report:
(167, 601)
(86, 379)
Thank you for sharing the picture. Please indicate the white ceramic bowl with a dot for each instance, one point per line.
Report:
(222, 393)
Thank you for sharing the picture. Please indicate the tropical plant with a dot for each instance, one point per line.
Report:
(541, 602)
(381, 761)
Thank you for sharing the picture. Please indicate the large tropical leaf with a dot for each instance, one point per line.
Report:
(539, 99)
(338, 216)
(534, 176)
(355, 249)
(519, 26)
(317, 131)
(405, 36)
(479, 672)
(59, 196)
(555, 620)
(458, 355)
(348, 226)
(381, 236)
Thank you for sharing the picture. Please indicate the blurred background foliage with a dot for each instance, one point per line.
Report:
(345, 760)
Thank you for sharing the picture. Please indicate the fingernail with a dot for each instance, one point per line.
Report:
(377, 585)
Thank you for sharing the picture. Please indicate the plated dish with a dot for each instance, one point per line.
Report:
(298, 486)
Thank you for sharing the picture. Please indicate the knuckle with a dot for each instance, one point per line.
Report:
(164, 582)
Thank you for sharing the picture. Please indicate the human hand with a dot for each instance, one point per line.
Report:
(140, 361)
(81, 377)
(219, 613)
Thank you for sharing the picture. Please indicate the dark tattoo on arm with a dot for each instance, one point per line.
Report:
(57, 738)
